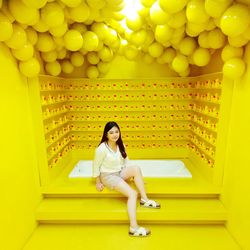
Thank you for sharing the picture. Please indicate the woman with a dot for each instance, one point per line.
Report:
(111, 169)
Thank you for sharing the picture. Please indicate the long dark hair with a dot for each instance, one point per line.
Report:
(119, 142)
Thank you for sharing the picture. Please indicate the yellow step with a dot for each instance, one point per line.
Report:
(114, 237)
(113, 210)
(156, 187)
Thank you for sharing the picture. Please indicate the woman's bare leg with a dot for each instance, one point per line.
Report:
(135, 172)
(129, 192)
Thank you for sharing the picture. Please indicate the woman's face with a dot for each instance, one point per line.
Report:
(113, 134)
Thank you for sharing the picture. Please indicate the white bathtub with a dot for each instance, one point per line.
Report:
(149, 168)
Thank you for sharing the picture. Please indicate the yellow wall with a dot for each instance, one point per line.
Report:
(19, 181)
(236, 195)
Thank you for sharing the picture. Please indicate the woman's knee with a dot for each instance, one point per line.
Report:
(137, 170)
(133, 194)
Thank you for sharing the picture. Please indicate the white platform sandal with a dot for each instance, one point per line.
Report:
(139, 232)
(150, 204)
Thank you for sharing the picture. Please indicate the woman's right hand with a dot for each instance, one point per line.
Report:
(99, 186)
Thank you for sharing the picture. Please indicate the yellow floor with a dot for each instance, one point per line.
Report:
(115, 237)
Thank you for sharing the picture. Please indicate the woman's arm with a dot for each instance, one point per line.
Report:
(99, 156)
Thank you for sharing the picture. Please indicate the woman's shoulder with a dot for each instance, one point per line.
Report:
(101, 147)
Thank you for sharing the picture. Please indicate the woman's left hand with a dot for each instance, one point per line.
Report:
(99, 186)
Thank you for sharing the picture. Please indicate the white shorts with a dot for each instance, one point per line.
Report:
(111, 180)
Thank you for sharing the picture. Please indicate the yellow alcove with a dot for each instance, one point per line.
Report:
(162, 118)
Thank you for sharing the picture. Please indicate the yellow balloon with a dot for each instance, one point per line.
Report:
(105, 54)
(77, 59)
(215, 8)
(235, 20)
(147, 3)
(234, 68)
(195, 12)
(201, 57)
(73, 40)
(115, 45)
(35, 4)
(180, 63)
(116, 5)
(195, 28)
(100, 29)
(59, 30)
(157, 15)
(52, 14)
(93, 58)
(61, 54)
(30, 68)
(144, 12)
(111, 36)
(210, 24)
(155, 49)
(238, 41)
(229, 52)
(6, 29)
(59, 42)
(163, 33)
(31, 35)
(67, 67)
(187, 46)
(246, 34)
(18, 37)
(22, 13)
(72, 3)
(92, 72)
(45, 42)
(80, 13)
(185, 73)
(134, 22)
(172, 6)
(168, 55)
(50, 56)
(24, 53)
(177, 37)
(90, 41)
(53, 68)
(40, 26)
(148, 59)
(131, 52)
(79, 27)
(203, 39)
(178, 19)
(103, 67)
(96, 4)
(138, 37)
(216, 39)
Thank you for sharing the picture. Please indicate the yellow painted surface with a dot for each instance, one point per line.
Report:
(113, 237)
(19, 179)
(236, 195)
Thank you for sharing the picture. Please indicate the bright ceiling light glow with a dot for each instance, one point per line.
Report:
(131, 8)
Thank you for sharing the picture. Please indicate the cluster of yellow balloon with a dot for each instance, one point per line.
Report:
(64, 34)
(61, 34)
(181, 33)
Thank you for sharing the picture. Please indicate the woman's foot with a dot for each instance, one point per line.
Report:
(149, 203)
(139, 232)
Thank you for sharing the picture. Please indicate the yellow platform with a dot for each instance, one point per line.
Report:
(197, 186)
